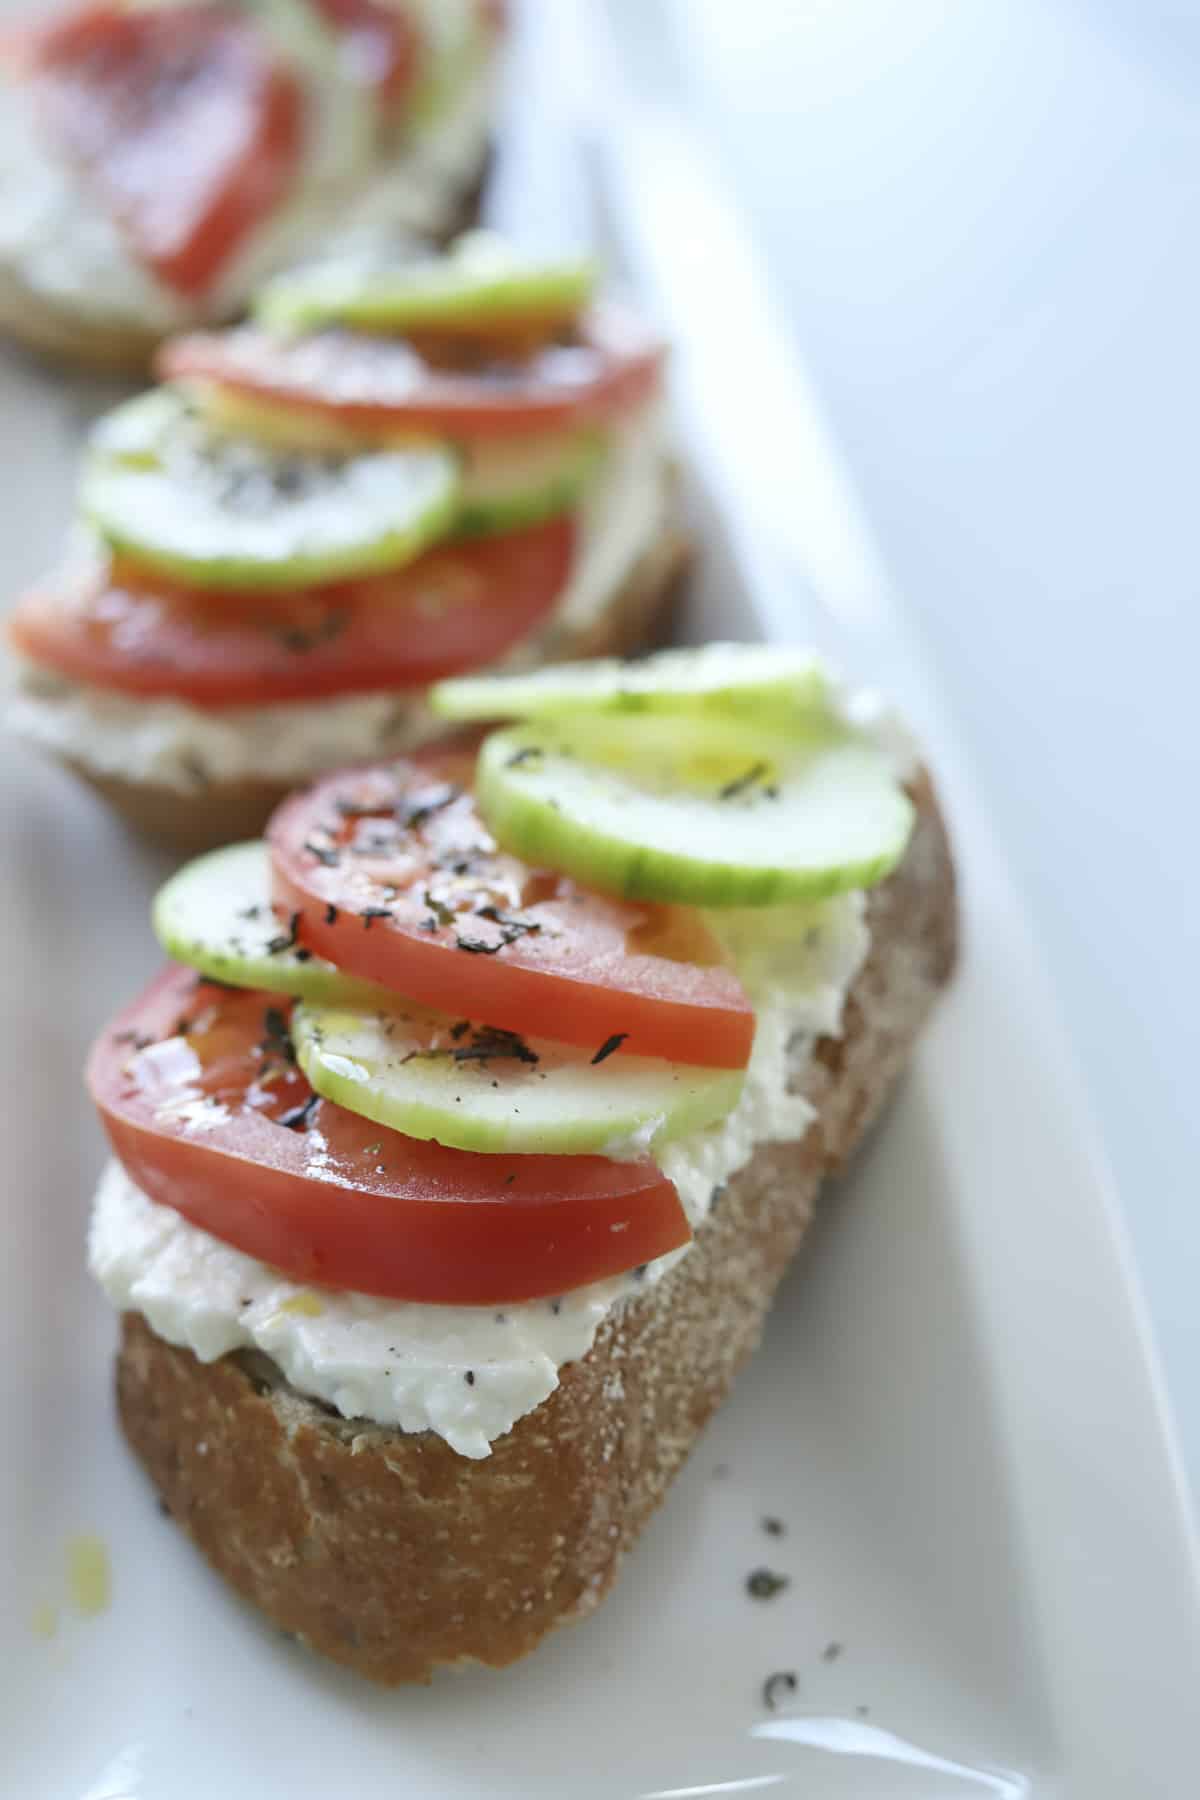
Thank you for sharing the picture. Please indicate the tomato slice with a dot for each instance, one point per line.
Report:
(208, 1113)
(188, 128)
(390, 872)
(383, 386)
(457, 607)
(381, 43)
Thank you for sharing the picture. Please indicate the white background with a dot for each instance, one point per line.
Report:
(982, 217)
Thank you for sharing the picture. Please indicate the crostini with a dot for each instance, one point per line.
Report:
(459, 1151)
(391, 475)
(158, 161)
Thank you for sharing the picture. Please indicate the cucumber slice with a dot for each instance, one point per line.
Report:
(215, 915)
(480, 284)
(476, 1088)
(760, 682)
(222, 512)
(505, 486)
(697, 810)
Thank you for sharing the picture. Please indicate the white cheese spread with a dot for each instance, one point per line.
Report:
(407, 1365)
(64, 248)
(177, 745)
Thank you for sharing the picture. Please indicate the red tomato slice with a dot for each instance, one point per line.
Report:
(208, 1114)
(390, 872)
(455, 608)
(187, 127)
(380, 385)
(382, 45)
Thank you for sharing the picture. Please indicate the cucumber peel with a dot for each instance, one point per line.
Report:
(214, 915)
(507, 486)
(481, 284)
(760, 682)
(695, 809)
(223, 512)
(477, 1088)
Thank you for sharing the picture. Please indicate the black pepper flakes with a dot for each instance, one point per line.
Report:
(416, 816)
(470, 1378)
(331, 914)
(831, 1652)
(442, 913)
(774, 1527)
(764, 1584)
(297, 1119)
(328, 857)
(741, 783)
(277, 1039)
(287, 941)
(492, 1042)
(608, 1046)
(779, 1687)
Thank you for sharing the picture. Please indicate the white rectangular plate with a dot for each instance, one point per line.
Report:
(993, 1587)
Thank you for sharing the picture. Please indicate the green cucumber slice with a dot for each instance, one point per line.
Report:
(765, 683)
(505, 486)
(483, 1089)
(215, 915)
(480, 283)
(223, 512)
(697, 810)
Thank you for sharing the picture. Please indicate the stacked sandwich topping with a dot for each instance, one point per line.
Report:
(396, 472)
(457, 1060)
(158, 160)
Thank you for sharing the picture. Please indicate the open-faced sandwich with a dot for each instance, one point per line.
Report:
(460, 1150)
(392, 475)
(159, 158)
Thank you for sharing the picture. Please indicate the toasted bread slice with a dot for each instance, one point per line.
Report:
(638, 617)
(395, 1556)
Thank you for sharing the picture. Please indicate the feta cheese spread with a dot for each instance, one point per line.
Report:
(177, 745)
(406, 1365)
(65, 249)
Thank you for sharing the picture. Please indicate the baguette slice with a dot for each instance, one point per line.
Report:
(393, 1555)
(638, 617)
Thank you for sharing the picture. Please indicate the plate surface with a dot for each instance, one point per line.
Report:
(993, 1589)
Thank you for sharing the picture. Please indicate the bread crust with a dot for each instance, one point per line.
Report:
(395, 1556)
(53, 332)
(639, 617)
